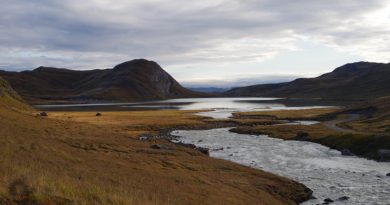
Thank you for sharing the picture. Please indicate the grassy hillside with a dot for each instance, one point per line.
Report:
(80, 158)
(10, 99)
(376, 116)
(354, 81)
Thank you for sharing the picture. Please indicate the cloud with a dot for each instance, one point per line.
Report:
(102, 33)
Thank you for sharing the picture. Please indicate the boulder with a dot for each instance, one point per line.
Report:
(328, 200)
(343, 198)
(98, 114)
(146, 137)
(43, 114)
(203, 150)
(388, 174)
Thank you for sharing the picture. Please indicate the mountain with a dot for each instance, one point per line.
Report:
(207, 89)
(362, 80)
(135, 80)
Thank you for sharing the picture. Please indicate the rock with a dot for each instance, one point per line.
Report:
(203, 150)
(383, 154)
(302, 136)
(200, 140)
(186, 145)
(388, 174)
(161, 146)
(343, 198)
(328, 200)
(218, 149)
(146, 137)
(346, 152)
(43, 114)
(98, 114)
(200, 149)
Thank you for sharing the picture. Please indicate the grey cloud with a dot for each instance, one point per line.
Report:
(100, 32)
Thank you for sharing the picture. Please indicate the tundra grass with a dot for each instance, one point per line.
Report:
(81, 158)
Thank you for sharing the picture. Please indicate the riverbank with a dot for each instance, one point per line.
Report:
(354, 131)
(90, 158)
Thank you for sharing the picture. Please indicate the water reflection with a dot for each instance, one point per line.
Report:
(220, 107)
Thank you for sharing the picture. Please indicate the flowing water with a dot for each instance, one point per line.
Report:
(325, 171)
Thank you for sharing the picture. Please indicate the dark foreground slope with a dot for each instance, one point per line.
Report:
(353, 81)
(52, 161)
(130, 81)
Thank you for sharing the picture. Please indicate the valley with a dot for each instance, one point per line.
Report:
(110, 151)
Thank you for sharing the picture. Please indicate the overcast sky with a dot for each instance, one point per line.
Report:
(198, 42)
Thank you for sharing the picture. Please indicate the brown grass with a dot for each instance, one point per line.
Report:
(78, 158)
(370, 134)
(134, 123)
(288, 114)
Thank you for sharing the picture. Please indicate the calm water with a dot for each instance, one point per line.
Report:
(220, 107)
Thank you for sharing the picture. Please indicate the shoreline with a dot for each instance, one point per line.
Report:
(333, 131)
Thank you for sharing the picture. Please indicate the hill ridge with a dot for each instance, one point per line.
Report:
(134, 80)
(354, 81)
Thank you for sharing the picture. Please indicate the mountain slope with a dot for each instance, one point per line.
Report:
(362, 80)
(9, 99)
(130, 81)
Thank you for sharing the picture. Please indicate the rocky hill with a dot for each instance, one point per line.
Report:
(362, 80)
(135, 80)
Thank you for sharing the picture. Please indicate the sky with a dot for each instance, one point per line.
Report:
(221, 43)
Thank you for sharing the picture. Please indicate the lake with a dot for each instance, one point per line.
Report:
(219, 107)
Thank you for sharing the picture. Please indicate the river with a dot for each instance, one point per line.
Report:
(344, 179)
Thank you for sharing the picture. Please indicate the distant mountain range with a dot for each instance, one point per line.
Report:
(208, 89)
(140, 80)
(362, 80)
(135, 80)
